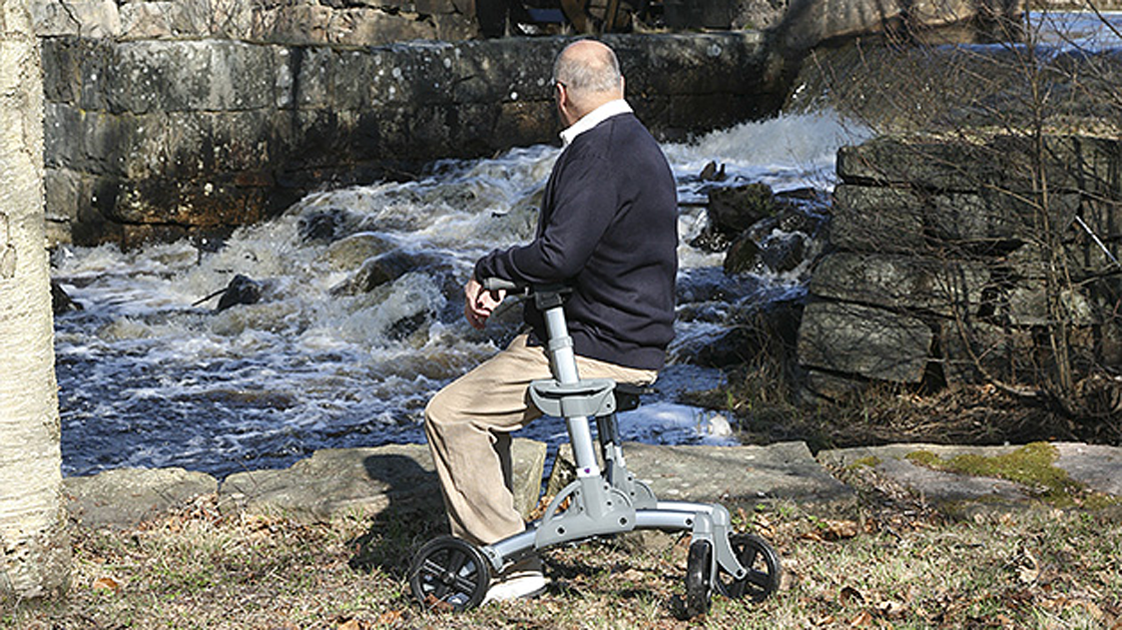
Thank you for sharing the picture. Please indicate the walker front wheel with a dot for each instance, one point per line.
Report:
(699, 571)
(449, 574)
(762, 562)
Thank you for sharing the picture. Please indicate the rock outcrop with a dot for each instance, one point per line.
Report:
(366, 483)
(951, 263)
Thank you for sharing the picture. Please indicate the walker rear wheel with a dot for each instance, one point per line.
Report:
(699, 569)
(449, 574)
(762, 562)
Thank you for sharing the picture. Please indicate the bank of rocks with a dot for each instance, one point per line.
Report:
(379, 481)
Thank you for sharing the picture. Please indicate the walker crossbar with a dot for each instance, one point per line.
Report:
(597, 503)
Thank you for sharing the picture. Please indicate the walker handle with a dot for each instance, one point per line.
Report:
(545, 295)
(499, 284)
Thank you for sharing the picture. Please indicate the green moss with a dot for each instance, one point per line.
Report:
(1032, 465)
(871, 461)
(923, 458)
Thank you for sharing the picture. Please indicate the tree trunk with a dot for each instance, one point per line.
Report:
(34, 550)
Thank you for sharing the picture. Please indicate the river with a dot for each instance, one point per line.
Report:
(149, 377)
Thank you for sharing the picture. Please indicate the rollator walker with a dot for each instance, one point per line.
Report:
(450, 573)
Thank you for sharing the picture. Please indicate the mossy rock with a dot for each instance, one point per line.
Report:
(1032, 466)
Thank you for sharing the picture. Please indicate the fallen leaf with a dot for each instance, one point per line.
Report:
(633, 575)
(389, 617)
(814, 535)
(1029, 569)
(432, 603)
(891, 609)
(849, 594)
(863, 619)
(350, 624)
(106, 584)
(837, 530)
(1095, 611)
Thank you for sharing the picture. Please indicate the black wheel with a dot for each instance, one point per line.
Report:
(449, 574)
(699, 567)
(756, 555)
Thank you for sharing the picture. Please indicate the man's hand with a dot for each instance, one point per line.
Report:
(479, 303)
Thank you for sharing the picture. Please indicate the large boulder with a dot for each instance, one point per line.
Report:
(365, 481)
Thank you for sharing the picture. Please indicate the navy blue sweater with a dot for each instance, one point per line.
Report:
(608, 228)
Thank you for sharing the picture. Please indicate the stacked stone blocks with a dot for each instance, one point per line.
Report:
(939, 271)
(163, 139)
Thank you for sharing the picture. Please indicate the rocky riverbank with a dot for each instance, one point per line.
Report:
(958, 481)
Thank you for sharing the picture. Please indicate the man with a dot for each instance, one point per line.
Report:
(608, 229)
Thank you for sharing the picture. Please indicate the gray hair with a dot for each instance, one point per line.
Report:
(582, 74)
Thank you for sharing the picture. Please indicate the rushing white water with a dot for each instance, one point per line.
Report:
(150, 379)
(1083, 31)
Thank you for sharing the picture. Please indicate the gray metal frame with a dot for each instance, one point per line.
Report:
(611, 501)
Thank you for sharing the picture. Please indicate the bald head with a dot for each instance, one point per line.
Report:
(590, 73)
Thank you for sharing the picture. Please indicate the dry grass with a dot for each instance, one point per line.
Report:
(762, 401)
(896, 565)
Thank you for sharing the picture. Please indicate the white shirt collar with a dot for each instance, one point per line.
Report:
(593, 118)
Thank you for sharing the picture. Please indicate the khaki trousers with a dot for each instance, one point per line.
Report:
(468, 424)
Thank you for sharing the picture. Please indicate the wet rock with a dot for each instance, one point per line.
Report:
(779, 243)
(731, 211)
(352, 251)
(784, 252)
(742, 255)
(406, 326)
(61, 301)
(323, 225)
(760, 327)
(389, 267)
(712, 173)
(241, 290)
(710, 284)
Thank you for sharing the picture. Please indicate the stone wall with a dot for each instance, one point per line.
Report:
(361, 23)
(158, 139)
(951, 260)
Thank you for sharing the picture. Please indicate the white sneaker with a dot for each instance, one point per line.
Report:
(521, 580)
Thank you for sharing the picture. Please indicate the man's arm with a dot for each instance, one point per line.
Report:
(584, 205)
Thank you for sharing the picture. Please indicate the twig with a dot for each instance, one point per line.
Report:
(1098, 242)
